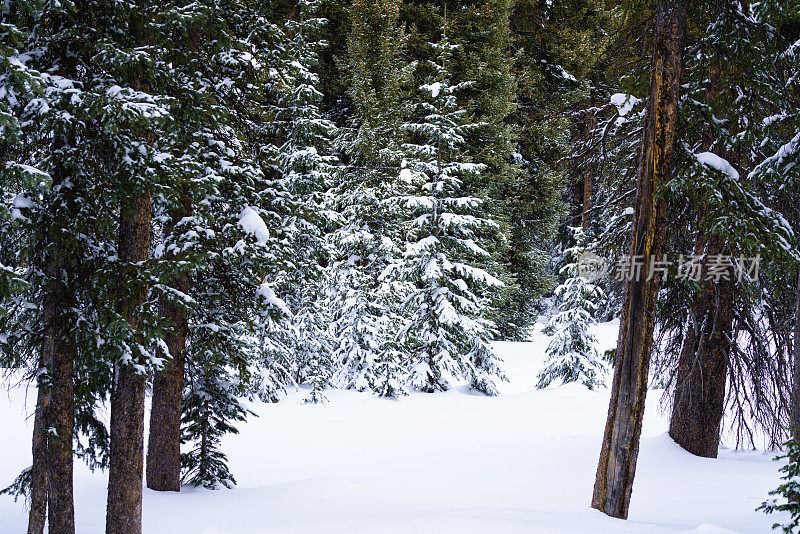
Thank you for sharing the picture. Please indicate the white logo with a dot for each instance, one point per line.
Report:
(592, 267)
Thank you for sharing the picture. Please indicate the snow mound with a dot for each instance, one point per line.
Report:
(253, 224)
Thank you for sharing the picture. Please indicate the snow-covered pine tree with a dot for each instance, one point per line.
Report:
(212, 405)
(38, 274)
(448, 333)
(304, 161)
(89, 144)
(233, 237)
(572, 353)
(365, 319)
(484, 61)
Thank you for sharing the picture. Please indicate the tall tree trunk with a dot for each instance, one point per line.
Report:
(589, 123)
(699, 400)
(795, 399)
(61, 510)
(617, 466)
(38, 512)
(124, 510)
(164, 441)
(51, 475)
(794, 403)
(703, 365)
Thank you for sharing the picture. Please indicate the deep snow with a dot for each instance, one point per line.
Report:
(450, 462)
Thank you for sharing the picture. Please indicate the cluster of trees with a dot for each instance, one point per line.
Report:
(218, 200)
(213, 201)
(692, 153)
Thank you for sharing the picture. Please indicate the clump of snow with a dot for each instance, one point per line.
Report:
(715, 162)
(567, 76)
(253, 224)
(624, 102)
(433, 88)
(271, 299)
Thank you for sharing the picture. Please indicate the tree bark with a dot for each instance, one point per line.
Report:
(703, 365)
(589, 123)
(124, 510)
(795, 402)
(699, 400)
(164, 441)
(617, 466)
(51, 475)
(38, 512)
(61, 509)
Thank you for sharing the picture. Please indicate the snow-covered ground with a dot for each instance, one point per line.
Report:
(451, 462)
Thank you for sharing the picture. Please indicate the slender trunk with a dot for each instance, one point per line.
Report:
(703, 365)
(53, 425)
(38, 511)
(124, 510)
(61, 509)
(795, 402)
(203, 464)
(164, 441)
(589, 124)
(617, 466)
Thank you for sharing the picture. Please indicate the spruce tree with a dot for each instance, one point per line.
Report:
(572, 354)
(447, 332)
(304, 160)
(366, 235)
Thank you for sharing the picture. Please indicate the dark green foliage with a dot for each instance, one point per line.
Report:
(211, 407)
(789, 491)
(21, 486)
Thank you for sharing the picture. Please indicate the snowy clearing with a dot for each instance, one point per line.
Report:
(451, 462)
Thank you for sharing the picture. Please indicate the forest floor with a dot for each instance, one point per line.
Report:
(451, 462)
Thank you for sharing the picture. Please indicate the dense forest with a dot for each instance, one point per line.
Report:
(209, 203)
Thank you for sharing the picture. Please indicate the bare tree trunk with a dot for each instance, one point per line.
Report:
(124, 510)
(38, 511)
(617, 466)
(61, 509)
(589, 123)
(164, 441)
(703, 365)
(795, 402)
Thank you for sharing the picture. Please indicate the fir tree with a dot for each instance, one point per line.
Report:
(211, 407)
(572, 355)
(789, 491)
(307, 167)
(447, 331)
(366, 233)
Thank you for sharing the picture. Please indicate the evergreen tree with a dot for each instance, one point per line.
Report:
(789, 491)
(306, 165)
(572, 353)
(366, 236)
(447, 331)
(211, 407)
